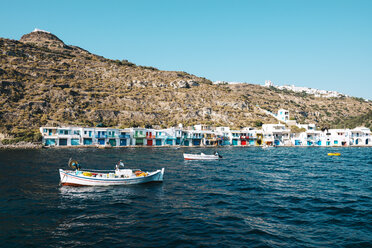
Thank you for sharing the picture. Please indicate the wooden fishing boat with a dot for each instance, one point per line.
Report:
(119, 176)
(201, 156)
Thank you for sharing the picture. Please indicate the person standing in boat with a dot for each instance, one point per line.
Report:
(217, 154)
(119, 164)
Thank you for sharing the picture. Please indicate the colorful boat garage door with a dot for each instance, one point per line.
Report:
(88, 141)
(50, 142)
(123, 142)
(75, 142)
(112, 142)
(63, 142)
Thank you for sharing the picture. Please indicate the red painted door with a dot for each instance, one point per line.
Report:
(244, 142)
(149, 142)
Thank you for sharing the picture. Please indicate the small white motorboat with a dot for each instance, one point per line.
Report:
(201, 156)
(119, 176)
(267, 146)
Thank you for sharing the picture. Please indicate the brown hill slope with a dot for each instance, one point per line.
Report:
(45, 82)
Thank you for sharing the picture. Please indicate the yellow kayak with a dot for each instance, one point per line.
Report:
(334, 154)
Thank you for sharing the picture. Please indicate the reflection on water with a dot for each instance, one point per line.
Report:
(253, 197)
(108, 192)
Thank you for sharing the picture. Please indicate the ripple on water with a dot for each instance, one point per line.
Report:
(282, 197)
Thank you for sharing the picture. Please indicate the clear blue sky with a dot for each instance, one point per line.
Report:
(322, 44)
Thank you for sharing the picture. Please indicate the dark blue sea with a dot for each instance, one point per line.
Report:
(279, 197)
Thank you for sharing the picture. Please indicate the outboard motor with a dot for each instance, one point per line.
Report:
(73, 164)
(217, 154)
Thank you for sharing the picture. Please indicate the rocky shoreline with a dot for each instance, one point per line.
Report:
(22, 145)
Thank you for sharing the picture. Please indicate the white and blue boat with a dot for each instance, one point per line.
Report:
(119, 176)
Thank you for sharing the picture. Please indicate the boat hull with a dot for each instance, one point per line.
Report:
(69, 178)
(200, 157)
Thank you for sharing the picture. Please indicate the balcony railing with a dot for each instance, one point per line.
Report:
(190, 136)
(139, 136)
(124, 136)
(150, 136)
(100, 136)
(63, 134)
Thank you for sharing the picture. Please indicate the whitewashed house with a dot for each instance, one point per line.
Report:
(276, 134)
(139, 136)
(235, 137)
(223, 135)
(125, 137)
(335, 137)
(61, 136)
(283, 115)
(113, 137)
(311, 137)
(87, 135)
(100, 135)
(49, 136)
(166, 137)
(360, 136)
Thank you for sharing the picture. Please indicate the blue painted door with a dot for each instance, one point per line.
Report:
(50, 142)
(123, 142)
(112, 142)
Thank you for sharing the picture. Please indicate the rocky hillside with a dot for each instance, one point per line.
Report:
(43, 81)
